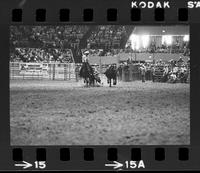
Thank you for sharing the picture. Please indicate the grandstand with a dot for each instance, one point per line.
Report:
(48, 38)
(21, 54)
(67, 43)
(73, 37)
(107, 37)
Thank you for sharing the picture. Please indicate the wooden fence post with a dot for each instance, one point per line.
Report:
(69, 71)
(123, 74)
(130, 72)
(54, 71)
(65, 71)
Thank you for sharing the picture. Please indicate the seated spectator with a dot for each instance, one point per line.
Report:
(41, 55)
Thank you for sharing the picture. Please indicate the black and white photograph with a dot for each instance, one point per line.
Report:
(99, 85)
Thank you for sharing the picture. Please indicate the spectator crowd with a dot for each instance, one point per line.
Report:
(53, 43)
(47, 36)
(107, 37)
(159, 71)
(41, 55)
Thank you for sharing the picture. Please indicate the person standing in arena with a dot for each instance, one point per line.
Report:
(120, 72)
(143, 71)
(165, 74)
(153, 70)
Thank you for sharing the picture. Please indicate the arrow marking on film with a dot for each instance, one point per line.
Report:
(25, 165)
(115, 165)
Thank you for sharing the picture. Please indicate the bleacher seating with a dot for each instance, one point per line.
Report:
(47, 36)
(107, 37)
(41, 55)
(107, 40)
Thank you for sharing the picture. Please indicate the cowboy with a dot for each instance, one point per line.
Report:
(173, 78)
(85, 56)
(165, 73)
(153, 73)
(143, 71)
(180, 62)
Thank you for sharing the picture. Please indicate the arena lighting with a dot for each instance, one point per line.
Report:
(167, 39)
(137, 46)
(135, 42)
(186, 38)
(145, 40)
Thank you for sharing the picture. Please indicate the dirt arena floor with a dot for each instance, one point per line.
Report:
(131, 113)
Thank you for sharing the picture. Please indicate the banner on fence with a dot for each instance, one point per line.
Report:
(42, 70)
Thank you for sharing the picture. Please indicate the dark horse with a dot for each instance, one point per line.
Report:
(111, 73)
(87, 73)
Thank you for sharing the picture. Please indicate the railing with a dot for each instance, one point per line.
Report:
(41, 71)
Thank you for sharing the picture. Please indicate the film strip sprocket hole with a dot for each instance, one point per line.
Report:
(112, 14)
(112, 154)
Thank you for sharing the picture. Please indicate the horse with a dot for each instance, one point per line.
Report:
(111, 73)
(87, 73)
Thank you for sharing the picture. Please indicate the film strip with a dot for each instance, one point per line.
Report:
(51, 121)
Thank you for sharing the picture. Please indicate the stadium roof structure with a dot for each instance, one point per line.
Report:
(162, 30)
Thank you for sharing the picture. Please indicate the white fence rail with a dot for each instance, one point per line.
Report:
(51, 71)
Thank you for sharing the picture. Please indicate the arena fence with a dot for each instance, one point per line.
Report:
(132, 73)
(66, 71)
(40, 71)
(129, 73)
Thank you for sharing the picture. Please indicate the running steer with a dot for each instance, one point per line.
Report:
(111, 73)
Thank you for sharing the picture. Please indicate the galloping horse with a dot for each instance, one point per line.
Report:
(111, 73)
(87, 73)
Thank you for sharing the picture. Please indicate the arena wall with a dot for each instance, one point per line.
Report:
(139, 57)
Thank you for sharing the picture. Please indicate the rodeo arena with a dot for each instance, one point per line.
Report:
(100, 85)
